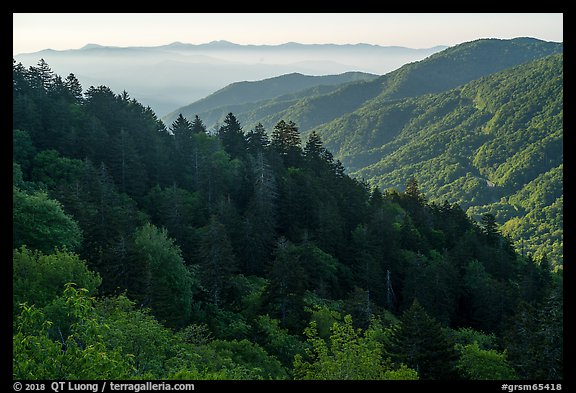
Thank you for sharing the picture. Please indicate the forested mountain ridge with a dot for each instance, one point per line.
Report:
(248, 255)
(239, 93)
(440, 71)
(482, 145)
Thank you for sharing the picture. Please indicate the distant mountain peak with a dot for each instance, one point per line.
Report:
(91, 46)
(221, 43)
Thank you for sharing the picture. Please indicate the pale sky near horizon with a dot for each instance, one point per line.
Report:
(33, 32)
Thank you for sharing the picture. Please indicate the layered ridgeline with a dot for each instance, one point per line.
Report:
(269, 95)
(493, 145)
(169, 76)
(439, 72)
(402, 124)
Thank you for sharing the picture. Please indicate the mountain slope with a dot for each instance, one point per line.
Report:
(492, 145)
(246, 92)
(442, 71)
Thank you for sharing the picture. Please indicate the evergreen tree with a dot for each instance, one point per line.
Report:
(179, 211)
(321, 269)
(41, 76)
(261, 217)
(19, 82)
(284, 297)
(420, 342)
(232, 137)
(534, 338)
(23, 151)
(536, 279)
(286, 141)
(184, 151)
(413, 190)
(126, 166)
(105, 216)
(217, 260)
(314, 150)
(485, 297)
(490, 228)
(367, 267)
(182, 131)
(257, 140)
(431, 281)
(360, 305)
(197, 126)
(74, 87)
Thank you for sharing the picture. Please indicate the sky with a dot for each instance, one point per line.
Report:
(33, 32)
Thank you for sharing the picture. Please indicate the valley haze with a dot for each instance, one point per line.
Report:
(169, 76)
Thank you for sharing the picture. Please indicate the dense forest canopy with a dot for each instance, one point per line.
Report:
(493, 145)
(142, 251)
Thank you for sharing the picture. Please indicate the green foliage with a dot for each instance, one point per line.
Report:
(285, 140)
(38, 278)
(17, 177)
(284, 295)
(239, 240)
(224, 374)
(483, 290)
(223, 359)
(224, 324)
(251, 356)
(137, 335)
(349, 354)
(170, 282)
(245, 295)
(473, 145)
(466, 336)
(40, 223)
(534, 338)
(23, 150)
(218, 260)
(81, 355)
(324, 319)
(179, 211)
(276, 340)
(51, 169)
(321, 268)
(33, 355)
(476, 364)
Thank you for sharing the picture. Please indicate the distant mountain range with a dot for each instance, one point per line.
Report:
(170, 76)
(439, 72)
